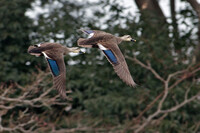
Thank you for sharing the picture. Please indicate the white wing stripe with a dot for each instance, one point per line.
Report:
(90, 35)
(102, 47)
(45, 55)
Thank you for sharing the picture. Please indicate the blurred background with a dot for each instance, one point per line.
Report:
(164, 62)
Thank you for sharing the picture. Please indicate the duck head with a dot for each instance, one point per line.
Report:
(35, 50)
(127, 38)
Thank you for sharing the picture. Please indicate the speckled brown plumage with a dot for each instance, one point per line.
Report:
(54, 54)
(111, 51)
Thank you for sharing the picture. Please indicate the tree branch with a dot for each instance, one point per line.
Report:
(148, 67)
(30, 97)
(196, 6)
(186, 73)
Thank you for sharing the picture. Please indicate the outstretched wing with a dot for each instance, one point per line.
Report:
(116, 58)
(57, 67)
(54, 67)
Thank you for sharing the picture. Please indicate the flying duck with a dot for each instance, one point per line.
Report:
(54, 54)
(108, 43)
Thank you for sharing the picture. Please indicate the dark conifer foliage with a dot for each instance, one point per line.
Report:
(163, 62)
(15, 29)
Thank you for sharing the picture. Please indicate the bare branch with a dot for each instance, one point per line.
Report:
(18, 127)
(159, 111)
(175, 74)
(148, 67)
(184, 74)
(141, 127)
(181, 104)
(30, 97)
(149, 106)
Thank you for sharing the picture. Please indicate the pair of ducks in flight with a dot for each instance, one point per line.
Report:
(108, 43)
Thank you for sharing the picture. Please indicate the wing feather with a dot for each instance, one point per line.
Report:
(112, 52)
(57, 67)
(120, 66)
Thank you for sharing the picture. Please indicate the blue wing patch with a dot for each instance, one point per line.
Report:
(54, 67)
(110, 56)
(88, 31)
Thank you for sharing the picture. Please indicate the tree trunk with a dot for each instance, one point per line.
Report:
(150, 5)
(196, 6)
(153, 17)
(175, 25)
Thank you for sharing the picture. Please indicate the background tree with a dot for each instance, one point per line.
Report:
(162, 62)
(15, 29)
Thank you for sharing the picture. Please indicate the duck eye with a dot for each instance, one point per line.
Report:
(35, 45)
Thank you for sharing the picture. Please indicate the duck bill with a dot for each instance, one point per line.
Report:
(133, 40)
(81, 52)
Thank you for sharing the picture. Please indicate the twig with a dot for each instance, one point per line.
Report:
(148, 67)
(186, 73)
(29, 97)
(181, 104)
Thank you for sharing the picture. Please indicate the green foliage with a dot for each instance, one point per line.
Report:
(15, 28)
(100, 98)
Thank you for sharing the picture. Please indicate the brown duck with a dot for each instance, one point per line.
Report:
(54, 54)
(108, 43)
